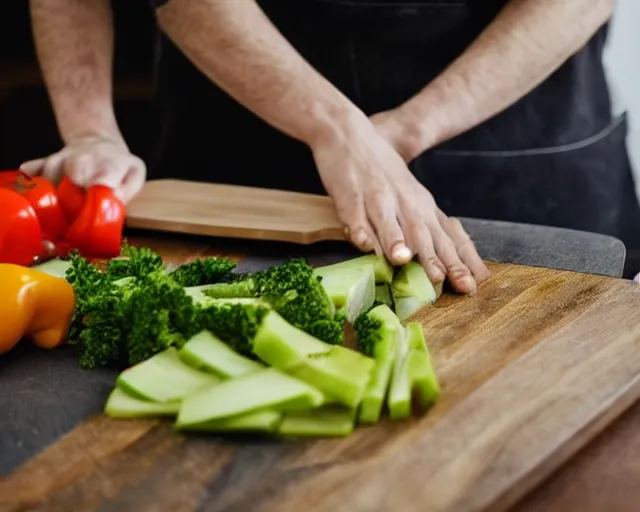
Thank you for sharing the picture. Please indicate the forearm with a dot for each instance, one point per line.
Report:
(524, 45)
(234, 44)
(74, 43)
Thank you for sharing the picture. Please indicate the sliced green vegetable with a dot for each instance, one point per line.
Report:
(266, 389)
(383, 295)
(339, 372)
(326, 421)
(350, 288)
(262, 421)
(207, 352)
(164, 378)
(412, 375)
(121, 405)
(55, 267)
(411, 290)
(379, 333)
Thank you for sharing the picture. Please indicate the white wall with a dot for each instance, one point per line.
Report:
(622, 59)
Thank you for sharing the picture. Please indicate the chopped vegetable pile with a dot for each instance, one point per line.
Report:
(265, 351)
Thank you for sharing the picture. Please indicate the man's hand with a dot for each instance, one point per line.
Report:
(382, 205)
(94, 161)
(387, 210)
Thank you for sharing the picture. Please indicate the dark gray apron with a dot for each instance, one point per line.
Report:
(557, 157)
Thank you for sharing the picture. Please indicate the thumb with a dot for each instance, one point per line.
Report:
(33, 167)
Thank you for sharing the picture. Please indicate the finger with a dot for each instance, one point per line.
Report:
(458, 273)
(109, 173)
(81, 170)
(53, 168)
(465, 247)
(132, 182)
(351, 212)
(427, 254)
(33, 167)
(381, 210)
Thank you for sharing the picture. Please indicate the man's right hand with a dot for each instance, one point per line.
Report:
(386, 209)
(91, 161)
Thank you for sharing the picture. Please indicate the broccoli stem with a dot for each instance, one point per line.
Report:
(163, 378)
(383, 295)
(122, 405)
(412, 289)
(266, 389)
(207, 352)
(383, 347)
(350, 288)
(340, 373)
(412, 374)
(328, 421)
(262, 421)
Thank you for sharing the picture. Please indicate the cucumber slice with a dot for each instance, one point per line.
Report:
(265, 421)
(207, 352)
(55, 267)
(163, 378)
(121, 405)
(322, 422)
(266, 389)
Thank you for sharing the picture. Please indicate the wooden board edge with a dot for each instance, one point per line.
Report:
(301, 238)
(581, 439)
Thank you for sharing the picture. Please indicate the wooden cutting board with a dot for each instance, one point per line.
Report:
(232, 211)
(532, 368)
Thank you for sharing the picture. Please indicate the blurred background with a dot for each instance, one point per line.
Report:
(27, 129)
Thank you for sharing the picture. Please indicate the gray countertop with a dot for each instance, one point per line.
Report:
(45, 394)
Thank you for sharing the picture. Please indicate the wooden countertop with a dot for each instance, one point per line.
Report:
(143, 466)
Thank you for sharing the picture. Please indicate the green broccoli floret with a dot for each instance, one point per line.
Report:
(159, 314)
(134, 262)
(293, 291)
(234, 321)
(124, 320)
(203, 271)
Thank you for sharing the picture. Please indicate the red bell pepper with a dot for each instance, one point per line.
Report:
(41, 194)
(20, 232)
(97, 230)
(57, 221)
(71, 198)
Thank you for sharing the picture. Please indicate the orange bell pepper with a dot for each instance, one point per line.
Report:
(36, 306)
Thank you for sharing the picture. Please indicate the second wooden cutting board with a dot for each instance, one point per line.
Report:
(231, 211)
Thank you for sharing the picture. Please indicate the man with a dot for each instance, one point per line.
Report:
(496, 108)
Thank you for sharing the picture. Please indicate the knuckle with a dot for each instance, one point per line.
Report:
(454, 224)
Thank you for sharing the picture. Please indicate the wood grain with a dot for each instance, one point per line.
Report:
(233, 211)
(532, 368)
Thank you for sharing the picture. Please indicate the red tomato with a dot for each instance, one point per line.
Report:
(42, 196)
(20, 233)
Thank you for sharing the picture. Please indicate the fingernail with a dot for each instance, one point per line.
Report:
(402, 253)
(436, 273)
(469, 284)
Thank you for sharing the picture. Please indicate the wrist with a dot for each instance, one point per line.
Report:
(418, 128)
(331, 123)
(80, 122)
